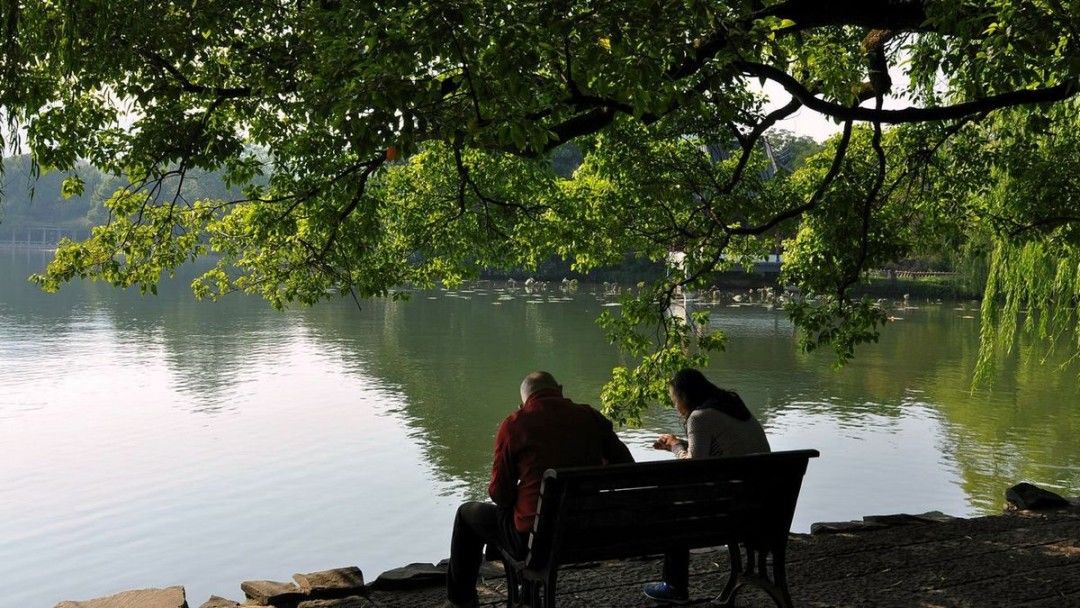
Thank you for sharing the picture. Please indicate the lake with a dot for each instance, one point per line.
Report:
(152, 441)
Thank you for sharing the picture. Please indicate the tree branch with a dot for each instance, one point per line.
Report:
(873, 46)
(185, 84)
(868, 205)
(582, 124)
(750, 141)
(1046, 223)
(361, 187)
(834, 170)
(1066, 89)
(913, 162)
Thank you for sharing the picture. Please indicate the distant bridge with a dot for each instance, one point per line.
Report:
(768, 265)
(33, 235)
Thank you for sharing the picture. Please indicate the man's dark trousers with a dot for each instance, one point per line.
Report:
(677, 569)
(478, 524)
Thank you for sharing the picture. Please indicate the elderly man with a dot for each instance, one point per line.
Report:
(547, 431)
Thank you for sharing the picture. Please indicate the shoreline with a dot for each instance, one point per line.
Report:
(1023, 556)
(948, 288)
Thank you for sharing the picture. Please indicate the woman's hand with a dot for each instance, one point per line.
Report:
(666, 442)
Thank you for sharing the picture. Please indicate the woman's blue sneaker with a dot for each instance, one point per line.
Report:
(663, 592)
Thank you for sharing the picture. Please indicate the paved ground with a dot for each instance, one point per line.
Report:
(1013, 560)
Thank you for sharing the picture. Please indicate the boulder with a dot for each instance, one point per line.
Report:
(877, 522)
(169, 597)
(331, 584)
(353, 601)
(844, 527)
(219, 602)
(1028, 497)
(412, 576)
(936, 517)
(272, 593)
(906, 519)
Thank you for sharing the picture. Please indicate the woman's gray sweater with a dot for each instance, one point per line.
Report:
(710, 432)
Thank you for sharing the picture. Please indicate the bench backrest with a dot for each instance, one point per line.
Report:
(611, 512)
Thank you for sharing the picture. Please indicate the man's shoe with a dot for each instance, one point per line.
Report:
(665, 593)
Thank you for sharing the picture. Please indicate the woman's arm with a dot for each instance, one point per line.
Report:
(681, 449)
(698, 439)
(670, 443)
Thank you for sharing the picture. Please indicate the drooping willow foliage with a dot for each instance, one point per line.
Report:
(1023, 195)
(1033, 288)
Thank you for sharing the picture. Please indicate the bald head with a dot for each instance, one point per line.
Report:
(537, 381)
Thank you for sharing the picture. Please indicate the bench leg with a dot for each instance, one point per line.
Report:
(727, 597)
(776, 585)
(756, 572)
(513, 589)
(542, 593)
(549, 589)
(528, 594)
(782, 595)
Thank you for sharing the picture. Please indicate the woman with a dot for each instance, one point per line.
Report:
(717, 424)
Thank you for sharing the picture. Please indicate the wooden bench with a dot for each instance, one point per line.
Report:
(598, 513)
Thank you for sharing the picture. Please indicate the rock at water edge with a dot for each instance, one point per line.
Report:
(907, 519)
(843, 527)
(354, 601)
(336, 583)
(219, 602)
(412, 576)
(1028, 497)
(169, 597)
(936, 517)
(272, 593)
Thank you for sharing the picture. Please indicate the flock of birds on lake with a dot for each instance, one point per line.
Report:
(535, 291)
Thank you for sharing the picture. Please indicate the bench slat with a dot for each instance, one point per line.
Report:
(656, 495)
(588, 513)
(648, 511)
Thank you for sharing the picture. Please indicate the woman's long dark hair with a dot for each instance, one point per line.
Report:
(697, 392)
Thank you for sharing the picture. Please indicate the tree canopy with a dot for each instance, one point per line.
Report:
(393, 143)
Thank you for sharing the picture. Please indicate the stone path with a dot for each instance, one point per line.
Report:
(1029, 560)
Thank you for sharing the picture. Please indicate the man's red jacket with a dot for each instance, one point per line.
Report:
(548, 431)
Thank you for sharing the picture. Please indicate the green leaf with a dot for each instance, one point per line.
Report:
(72, 186)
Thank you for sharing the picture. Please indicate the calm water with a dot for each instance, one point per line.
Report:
(156, 441)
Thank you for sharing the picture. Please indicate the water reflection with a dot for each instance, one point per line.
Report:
(214, 431)
(458, 364)
(460, 361)
(457, 358)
